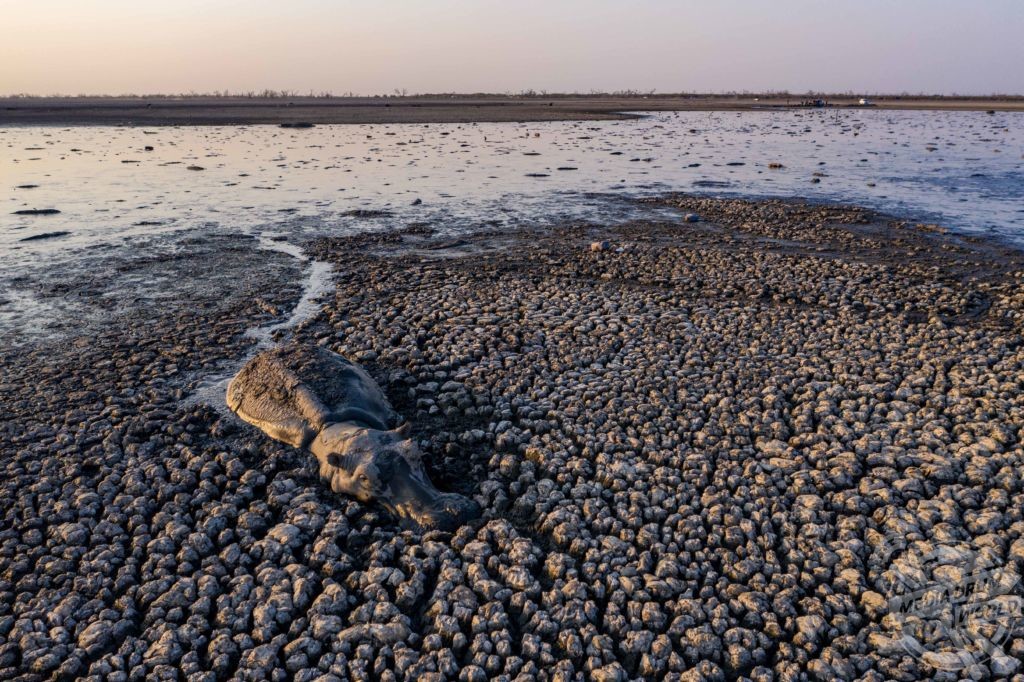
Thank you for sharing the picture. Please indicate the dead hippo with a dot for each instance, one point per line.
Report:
(311, 398)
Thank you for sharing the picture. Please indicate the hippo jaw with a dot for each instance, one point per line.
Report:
(369, 465)
(411, 497)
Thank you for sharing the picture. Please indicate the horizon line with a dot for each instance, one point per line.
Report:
(528, 93)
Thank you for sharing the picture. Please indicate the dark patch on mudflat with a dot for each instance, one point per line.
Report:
(45, 235)
(37, 211)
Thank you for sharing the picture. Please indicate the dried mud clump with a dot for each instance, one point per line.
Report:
(690, 449)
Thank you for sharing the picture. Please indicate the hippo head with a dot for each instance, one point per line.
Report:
(386, 466)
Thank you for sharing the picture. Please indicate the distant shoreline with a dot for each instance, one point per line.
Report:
(169, 111)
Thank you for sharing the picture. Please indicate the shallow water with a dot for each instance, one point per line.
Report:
(963, 169)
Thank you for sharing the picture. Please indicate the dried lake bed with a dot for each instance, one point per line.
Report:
(706, 451)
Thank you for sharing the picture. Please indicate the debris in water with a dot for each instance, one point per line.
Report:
(45, 235)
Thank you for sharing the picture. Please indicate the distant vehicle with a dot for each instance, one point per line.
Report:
(865, 102)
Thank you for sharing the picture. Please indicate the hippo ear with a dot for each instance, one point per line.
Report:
(411, 452)
(404, 431)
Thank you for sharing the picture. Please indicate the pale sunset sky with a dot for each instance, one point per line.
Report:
(159, 46)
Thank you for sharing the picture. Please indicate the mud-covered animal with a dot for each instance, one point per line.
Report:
(311, 398)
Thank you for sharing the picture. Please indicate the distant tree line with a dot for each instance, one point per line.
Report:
(529, 93)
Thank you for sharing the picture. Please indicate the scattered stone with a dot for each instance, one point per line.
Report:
(1004, 666)
(874, 604)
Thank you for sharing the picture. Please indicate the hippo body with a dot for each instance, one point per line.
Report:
(311, 398)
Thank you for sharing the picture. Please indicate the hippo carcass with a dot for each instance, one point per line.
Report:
(311, 398)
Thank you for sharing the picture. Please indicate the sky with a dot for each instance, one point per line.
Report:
(380, 46)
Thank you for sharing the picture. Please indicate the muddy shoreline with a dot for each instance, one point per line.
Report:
(164, 111)
(693, 448)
